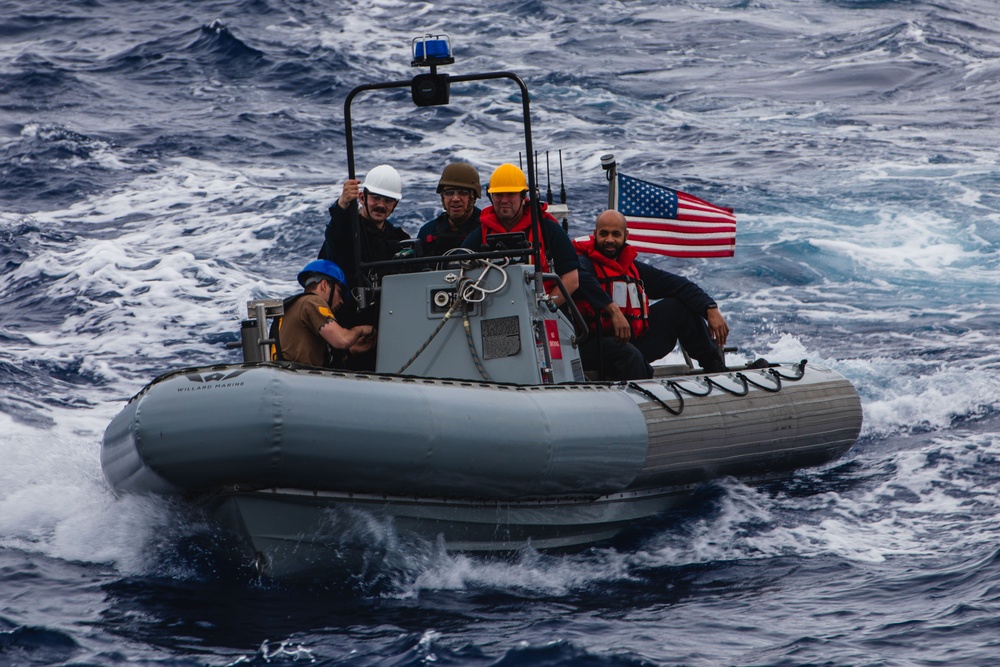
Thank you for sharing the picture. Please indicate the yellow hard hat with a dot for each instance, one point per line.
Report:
(508, 178)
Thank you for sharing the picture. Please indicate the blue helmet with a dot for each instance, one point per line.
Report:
(324, 268)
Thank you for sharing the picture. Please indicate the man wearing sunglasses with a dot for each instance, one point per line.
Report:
(459, 188)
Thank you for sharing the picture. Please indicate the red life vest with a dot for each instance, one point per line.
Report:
(490, 225)
(620, 279)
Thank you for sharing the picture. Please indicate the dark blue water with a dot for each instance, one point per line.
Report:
(163, 162)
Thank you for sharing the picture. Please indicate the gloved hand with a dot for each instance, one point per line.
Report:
(405, 253)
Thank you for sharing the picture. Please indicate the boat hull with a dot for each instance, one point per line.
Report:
(289, 533)
(280, 454)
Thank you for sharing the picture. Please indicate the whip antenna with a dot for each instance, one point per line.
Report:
(562, 184)
(548, 179)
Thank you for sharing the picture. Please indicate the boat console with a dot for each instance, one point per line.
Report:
(484, 323)
(478, 320)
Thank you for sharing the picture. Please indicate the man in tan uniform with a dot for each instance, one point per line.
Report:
(309, 333)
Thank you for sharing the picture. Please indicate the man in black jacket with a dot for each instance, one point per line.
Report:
(379, 239)
(615, 290)
(459, 188)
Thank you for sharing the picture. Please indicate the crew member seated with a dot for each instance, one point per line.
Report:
(308, 333)
(615, 290)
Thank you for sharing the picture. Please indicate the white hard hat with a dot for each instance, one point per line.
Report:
(384, 180)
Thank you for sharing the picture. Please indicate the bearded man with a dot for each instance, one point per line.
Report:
(628, 333)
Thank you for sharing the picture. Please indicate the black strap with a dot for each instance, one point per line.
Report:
(273, 335)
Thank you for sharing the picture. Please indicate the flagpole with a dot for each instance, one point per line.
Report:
(611, 171)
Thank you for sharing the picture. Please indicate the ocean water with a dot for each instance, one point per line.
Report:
(163, 162)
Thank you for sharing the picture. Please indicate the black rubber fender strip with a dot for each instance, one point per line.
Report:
(775, 389)
(676, 385)
(646, 392)
(800, 370)
(739, 376)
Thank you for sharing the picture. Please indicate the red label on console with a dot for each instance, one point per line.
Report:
(552, 335)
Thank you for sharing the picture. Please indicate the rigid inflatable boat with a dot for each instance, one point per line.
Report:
(271, 449)
(478, 429)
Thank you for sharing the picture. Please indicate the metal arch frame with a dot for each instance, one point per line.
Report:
(535, 208)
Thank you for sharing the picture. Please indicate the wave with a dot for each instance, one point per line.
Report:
(51, 166)
(184, 54)
(159, 168)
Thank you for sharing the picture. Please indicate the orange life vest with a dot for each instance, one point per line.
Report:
(620, 279)
(490, 225)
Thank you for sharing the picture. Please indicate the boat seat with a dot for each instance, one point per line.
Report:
(670, 370)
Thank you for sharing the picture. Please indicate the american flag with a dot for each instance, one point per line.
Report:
(670, 222)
